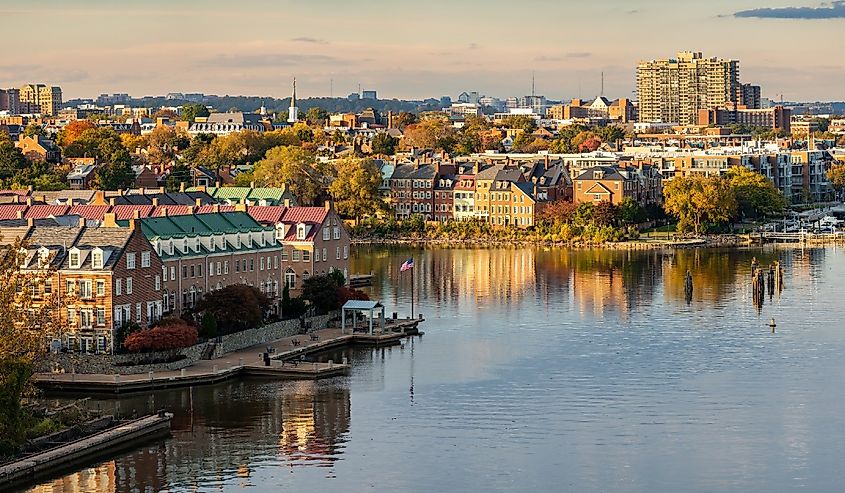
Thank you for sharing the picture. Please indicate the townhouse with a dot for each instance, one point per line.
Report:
(107, 277)
(613, 184)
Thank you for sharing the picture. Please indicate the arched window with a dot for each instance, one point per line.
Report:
(290, 278)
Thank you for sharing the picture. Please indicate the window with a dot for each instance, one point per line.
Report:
(138, 312)
(338, 253)
(199, 270)
(275, 261)
(97, 259)
(145, 259)
(336, 233)
(86, 318)
(101, 316)
(172, 272)
(74, 258)
(118, 287)
(158, 283)
(85, 288)
(261, 264)
(71, 287)
(193, 270)
(130, 260)
(210, 269)
(294, 255)
(219, 269)
(306, 256)
(184, 272)
(237, 265)
(101, 287)
(327, 234)
(317, 255)
(48, 286)
(225, 266)
(290, 278)
(324, 255)
(346, 251)
(71, 316)
(284, 255)
(128, 285)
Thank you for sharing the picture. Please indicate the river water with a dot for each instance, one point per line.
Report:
(540, 370)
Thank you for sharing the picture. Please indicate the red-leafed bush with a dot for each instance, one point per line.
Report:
(175, 334)
(346, 294)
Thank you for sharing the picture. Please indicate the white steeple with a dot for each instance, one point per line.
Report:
(293, 111)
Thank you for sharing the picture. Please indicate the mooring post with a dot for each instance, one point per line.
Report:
(182, 372)
(151, 375)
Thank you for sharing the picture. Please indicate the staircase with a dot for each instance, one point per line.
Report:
(208, 352)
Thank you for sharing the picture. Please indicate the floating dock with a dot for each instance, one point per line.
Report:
(49, 463)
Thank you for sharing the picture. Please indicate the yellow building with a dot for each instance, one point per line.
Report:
(38, 98)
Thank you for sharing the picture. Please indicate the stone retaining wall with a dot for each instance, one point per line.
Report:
(123, 363)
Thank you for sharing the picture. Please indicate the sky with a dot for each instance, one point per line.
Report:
(412, 50)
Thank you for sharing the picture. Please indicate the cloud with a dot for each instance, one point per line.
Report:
(267, 60)
(557, 58)
(833, 10)
(305, 39)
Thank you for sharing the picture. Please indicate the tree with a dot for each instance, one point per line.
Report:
(526, 123)
(25, 324)
(630, 212)
(116, 174)
(170, 334)
(236, 307)
(179, 174)
(165, 113)
(191, 111)
(384, 144)
(317, 116)
(403, 119)
(698, 201)
(355, 189)
(836, 175)
(294, 167)
(432, 132)
(521, 142)
(72, 131)
(756, 195)
(33, 129)
(164, 142)
(604, 213)
(40, 176)
(12, 160)
(559, 212)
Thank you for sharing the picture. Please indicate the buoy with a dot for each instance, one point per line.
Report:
(772, 324)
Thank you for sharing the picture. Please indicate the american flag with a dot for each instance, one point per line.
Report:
(408, 265)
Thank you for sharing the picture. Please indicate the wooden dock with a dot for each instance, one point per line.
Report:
(54, 461)
(361, 280)
(285, 356)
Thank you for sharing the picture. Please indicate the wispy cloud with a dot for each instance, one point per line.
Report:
(266, 60)
(565, 56)
(306, 39)
(833, 10)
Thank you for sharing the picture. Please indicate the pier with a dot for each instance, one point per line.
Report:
(281, 359)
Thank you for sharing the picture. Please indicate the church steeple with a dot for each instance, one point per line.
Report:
(293, 111)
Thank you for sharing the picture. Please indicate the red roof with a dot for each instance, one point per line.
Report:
(210, 209)
(10, 211)
(22, 193)
(267, 214)
(45, 211)
(172, 210)
(305, 215)
(90, 212)
(124, 212)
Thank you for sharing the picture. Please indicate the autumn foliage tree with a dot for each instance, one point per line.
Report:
(293, 167)
(699, 202)
(355, 189)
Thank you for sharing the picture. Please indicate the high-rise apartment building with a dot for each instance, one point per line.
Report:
(749, 95)
(10, 101)
(39, 98)
(673, 90)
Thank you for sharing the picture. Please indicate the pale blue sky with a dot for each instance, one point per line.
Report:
(410, 49)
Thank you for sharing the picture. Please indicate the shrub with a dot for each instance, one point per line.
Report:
(208, 326)
(346, 294)
(236, 307)
(173, 335)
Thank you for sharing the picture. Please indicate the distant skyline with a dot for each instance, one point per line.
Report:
(412, 50)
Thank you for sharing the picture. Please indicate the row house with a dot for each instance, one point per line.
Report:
(412, 190)
(613, 184)
(107, 277)
(204, 252)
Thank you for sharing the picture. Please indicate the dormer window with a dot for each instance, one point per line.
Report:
(300, 231)
(74, 257)
(97, 259)
(185, 245)
(43, 256)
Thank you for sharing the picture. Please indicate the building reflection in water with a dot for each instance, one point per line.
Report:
(221, 434)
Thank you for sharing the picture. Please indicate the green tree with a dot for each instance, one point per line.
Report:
(384, 144)
(630, 212)
(355, 189)
(317, 116)
(235, 307)
(322, 292)
(180, 173)
(756, 195)
(191, 111)
(116, 174)
(836, 175)
(698, 202)
(294, 167)
(34, 129)
(523, 122)
(12, 160)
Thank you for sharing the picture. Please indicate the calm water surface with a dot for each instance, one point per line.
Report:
(539, 370)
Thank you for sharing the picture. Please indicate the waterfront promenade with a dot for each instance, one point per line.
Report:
(286, 362)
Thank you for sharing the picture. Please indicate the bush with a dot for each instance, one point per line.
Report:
(175, 334)
(346, 294)
(208, 326)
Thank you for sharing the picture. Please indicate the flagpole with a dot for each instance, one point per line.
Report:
(412, 292)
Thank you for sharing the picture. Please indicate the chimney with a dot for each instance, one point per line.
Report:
(109, 220)
(155, 201)
(160, 189)
(287, 203)
(111, 202)
(29, 222)
(136, 214)
(546, 162)
(475, 168)
(198, 202)
(182, 187)
(215, 208)
(328, 205)
(163, 212)
(82, 222)
(20, 214)
(29, 201)
(252, 184)
(241, 207)
(217, 183)
(133, 224)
